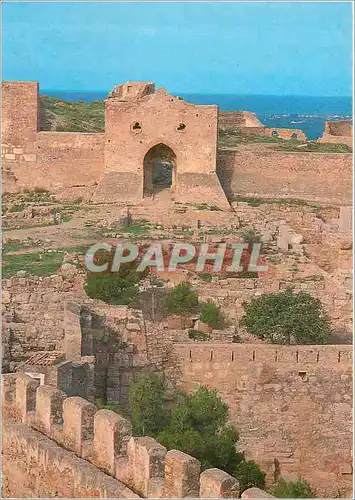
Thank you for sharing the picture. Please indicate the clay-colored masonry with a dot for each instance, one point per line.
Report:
(143, 126)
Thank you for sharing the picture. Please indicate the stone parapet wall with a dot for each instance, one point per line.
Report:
(246, 122)
(54, 161)
(33, 312)
(235, 120)
(95, 448)
(292, 405)
(335, 294)
(340, 128)
(317, 177)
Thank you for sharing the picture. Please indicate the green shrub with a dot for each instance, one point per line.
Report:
(147, 405)
(292, 489)
(249, 475)
(17, 208)
(286, 317)
(182, 299)
(138, 227)
(197, 424)
(205, 276)
(119, 287)
(211, 314)
(251, 236)
(112, 288)
(197, 335)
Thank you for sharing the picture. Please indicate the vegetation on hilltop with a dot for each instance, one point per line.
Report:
(287, 317)
(69, 116)
(230, 140)
(78, 116)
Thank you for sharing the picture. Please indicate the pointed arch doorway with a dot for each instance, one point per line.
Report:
(159, 167)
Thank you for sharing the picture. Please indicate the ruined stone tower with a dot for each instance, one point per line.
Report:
(144, 126)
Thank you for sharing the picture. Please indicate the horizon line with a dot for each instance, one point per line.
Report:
(205, 93)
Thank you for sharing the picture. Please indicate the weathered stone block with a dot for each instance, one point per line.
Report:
(49, 408)
(111, 435)
(215, 483)
(26, 388)
(182, 475)
(30, 157)
(78, 423)
(345, 219)
(146, 464)
(174, 323)
(203, 327)
(255, 493)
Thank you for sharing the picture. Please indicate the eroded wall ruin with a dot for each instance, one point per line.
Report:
(111, 165)
(55, 446)
(292, 405)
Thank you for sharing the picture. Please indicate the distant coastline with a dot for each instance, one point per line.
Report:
(303, 112)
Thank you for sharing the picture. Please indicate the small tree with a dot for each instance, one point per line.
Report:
(111, 289)
(292, 489)
(286, 317)
(249, 475)
(182, 299)
(211, 314)
(147, 405)
(119, 287)
(198, 426)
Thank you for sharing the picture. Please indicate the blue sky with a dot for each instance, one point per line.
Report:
(244, 48)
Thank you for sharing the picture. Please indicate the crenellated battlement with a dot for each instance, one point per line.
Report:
(316, 355)
(104, 439)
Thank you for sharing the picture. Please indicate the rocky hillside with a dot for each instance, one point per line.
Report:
(69, 116)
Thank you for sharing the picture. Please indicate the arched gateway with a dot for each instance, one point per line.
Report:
(159, 167)
(145, 133)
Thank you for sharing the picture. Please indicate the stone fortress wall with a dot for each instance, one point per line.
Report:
(291, 405)
(112, 163)
(52, 160)
(55, 446)
(248, 123)
(108, 163)
(340, 131)
(317, 177)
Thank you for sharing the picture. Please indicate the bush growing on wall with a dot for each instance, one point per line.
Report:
(147, 405)
(182, 299)
(249, 475)
(292, 489)
(211, 314)
(120, 287)
(286, 317)
(197, 424)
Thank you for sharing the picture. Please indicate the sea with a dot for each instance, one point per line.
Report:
(302, 112)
